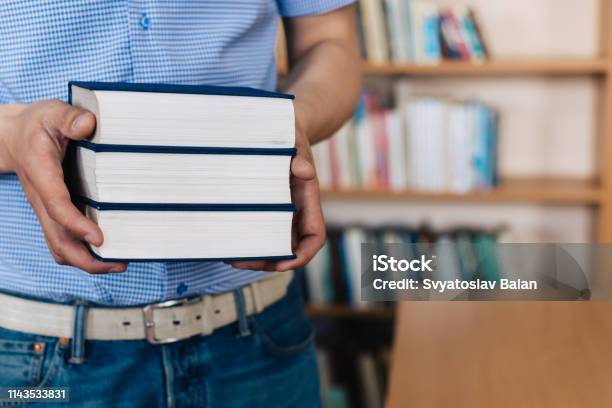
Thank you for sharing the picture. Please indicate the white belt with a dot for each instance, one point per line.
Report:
(158, 323)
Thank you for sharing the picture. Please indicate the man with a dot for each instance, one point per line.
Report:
(241, 339)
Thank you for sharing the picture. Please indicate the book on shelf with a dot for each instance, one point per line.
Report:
(185, 172)
(374, 30)
(395, 14)
(426, 143)
(334, 275)
(419, 31)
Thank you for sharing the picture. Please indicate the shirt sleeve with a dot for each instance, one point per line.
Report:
(299, 8)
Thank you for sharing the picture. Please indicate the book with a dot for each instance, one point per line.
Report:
(479, 34)
(360, 34)
(364, 131)
(419, 31)
(470, 32)
(204, 233)
(427, 143)
(407, 28)
(177, 172)
(453, 43)
(375, 31)
(431, 39)
(319, 277)
(174, 175)
(351, 241)
(396, 148)
(399, 38)
(186, 115)
(459, 142)
(425, 23)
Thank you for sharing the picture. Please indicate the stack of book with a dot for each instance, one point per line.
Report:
(185, 172)
(418, 31)
(426, 143)
(334, 274)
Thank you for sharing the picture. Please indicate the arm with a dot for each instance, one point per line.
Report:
(33, 141)
(325, 80)
(325, 74)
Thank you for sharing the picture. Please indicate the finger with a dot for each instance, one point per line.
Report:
(310, 226)
(302, 168)
(68, 121)
(76, 254)
(307, 249)
(254, 265)
(58, 259)
(61, 244)
(47, 179)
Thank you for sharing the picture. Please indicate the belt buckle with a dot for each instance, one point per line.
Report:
(149, 321)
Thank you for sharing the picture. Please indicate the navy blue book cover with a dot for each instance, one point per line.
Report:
(171, 260)
(176, 89)
(103, 206)
(122, 148)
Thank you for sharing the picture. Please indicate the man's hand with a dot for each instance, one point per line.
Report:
(308, 225)
(33, 142)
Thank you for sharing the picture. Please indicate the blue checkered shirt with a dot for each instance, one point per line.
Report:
(46, 43)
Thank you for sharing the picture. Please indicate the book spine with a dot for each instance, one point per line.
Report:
(479, 33)
(408, 32)
(448, 43)
(397, 37)
(431, 43)
(470, 34)
(453, 32)
(377, 46)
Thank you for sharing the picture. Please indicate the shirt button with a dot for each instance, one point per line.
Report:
(182, 288)
(145, 22)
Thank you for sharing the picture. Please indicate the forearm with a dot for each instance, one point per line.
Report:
(324, 77)
(8, 114)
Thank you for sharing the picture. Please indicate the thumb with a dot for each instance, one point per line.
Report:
(79, 125)
(72, 122)
(302, 168)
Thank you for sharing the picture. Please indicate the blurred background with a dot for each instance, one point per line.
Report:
(480, 121)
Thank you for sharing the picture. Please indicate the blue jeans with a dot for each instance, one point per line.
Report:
(273, 366)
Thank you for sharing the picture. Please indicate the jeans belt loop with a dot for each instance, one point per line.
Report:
(77, 352)
(241, 313)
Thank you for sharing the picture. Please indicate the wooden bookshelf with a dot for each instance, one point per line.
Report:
(514, 67)
(513, 191)
(509, 67)
(530, 191)
(349, 312)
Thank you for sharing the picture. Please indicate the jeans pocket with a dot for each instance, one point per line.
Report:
(26, 361)
(287, 339)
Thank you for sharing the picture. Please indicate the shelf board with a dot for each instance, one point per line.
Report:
(512, 191)
(563, 66)
(349, 312)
